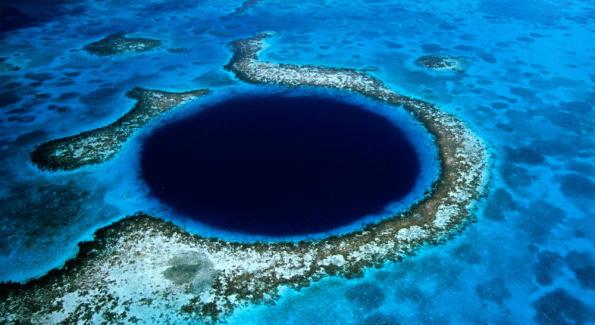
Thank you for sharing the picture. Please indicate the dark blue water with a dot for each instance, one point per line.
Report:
(279, 165)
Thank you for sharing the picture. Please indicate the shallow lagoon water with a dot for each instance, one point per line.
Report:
(527, 92)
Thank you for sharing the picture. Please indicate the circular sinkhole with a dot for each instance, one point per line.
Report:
(279, 165)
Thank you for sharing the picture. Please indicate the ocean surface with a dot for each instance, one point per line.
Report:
(528, 90)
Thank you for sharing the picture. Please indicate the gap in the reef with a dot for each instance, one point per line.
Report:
(277, 165)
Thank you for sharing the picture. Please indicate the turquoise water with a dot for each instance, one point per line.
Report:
(527, 91)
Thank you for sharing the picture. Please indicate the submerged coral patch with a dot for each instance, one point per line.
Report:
(441, 63)
(7, 66)
(123, 271)
(118, 43)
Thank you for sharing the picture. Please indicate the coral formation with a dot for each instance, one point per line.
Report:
(441, 63)
(141, 264)
(99, 145)
(118, 43)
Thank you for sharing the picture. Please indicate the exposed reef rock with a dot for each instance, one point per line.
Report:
(99, 145)
(7, 67)
(441, 63)
(125, 273)
(118, 43)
